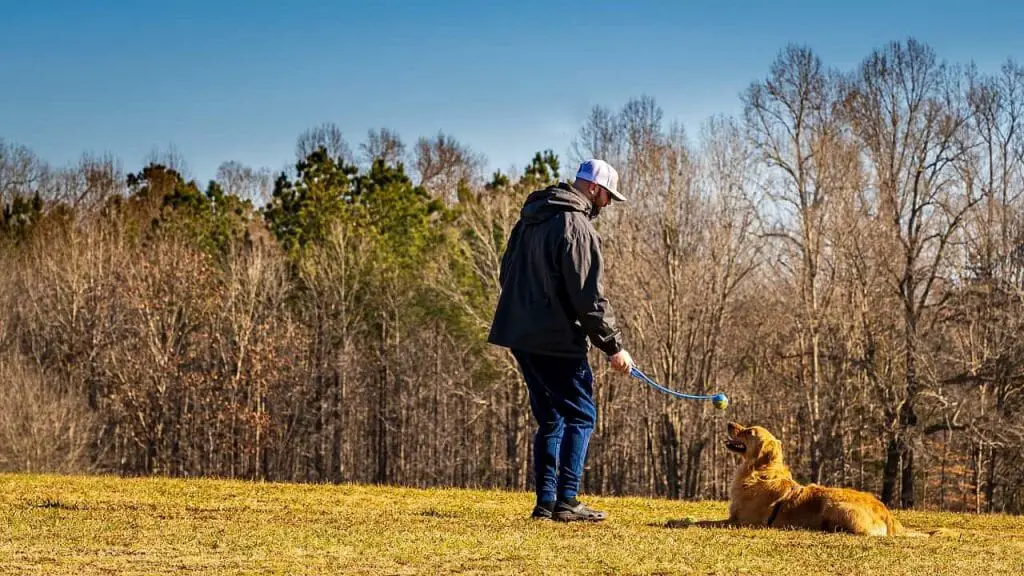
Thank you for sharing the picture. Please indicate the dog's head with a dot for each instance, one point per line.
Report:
(754, 444)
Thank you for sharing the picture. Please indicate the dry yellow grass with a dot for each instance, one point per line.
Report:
(106, 525)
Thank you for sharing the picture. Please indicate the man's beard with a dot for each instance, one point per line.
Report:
(595, 210)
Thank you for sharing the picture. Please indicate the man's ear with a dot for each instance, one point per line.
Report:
(770, 452)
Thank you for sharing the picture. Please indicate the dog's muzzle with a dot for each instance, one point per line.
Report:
(735, 445)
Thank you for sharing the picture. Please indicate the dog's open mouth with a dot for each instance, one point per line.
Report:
(735, 445)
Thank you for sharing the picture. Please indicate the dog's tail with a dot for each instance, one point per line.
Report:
(944, 532)
(896, 528)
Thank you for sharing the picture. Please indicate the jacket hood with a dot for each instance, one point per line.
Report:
(543, 204)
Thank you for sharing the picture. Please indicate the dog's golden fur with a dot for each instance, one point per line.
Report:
(763, 489)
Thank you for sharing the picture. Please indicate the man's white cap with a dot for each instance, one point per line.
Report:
(601, 173)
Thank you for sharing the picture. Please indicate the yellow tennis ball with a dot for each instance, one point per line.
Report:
(721, 401)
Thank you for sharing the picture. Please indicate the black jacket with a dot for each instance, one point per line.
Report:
(552, 292)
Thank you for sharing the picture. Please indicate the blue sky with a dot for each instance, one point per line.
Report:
(223, 80)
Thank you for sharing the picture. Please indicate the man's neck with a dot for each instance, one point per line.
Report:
(575, 186)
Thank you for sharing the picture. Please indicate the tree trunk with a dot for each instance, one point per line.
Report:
(908, 418)
(890, 471)
(990, 482)
(693, 468)
(907, 481)
(380, 436)
(670, 441)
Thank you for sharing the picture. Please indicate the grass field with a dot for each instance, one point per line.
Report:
(106, 525)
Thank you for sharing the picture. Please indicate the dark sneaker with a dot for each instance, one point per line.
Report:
(566, 512)
(543, 511)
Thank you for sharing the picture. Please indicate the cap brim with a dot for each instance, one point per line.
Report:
(616, 196)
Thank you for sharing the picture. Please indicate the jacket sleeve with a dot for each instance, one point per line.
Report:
(582, 272)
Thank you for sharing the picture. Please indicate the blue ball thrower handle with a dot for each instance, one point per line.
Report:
(636, 373)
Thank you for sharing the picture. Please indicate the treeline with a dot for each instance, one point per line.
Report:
(845, 260)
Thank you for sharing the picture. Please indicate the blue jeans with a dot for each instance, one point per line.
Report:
(562, 402)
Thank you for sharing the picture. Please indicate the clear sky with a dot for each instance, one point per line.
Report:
(220, 80)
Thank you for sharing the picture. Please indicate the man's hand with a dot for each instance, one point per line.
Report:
(622, 362)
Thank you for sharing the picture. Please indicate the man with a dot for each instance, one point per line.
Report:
(552, 301)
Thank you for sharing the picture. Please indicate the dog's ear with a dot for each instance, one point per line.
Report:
(770, 452)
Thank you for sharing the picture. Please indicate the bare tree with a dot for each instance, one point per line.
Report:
(337, 283)
(327, 136)
(709, 249)
(88, 185)
(384, 145)
(45, 427)
(20, 171)
(443, 165)
(907, 110)
(170, 157)
(983, 317)
(677, 253)
(242, 181)
(254, 327)
(790, 117)
(599, 137)
(996, 168)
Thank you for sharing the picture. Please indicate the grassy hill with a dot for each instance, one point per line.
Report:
(108, 525)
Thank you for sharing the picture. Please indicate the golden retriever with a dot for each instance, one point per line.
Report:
(764, 494)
